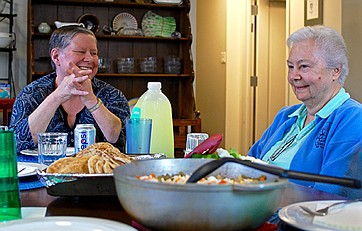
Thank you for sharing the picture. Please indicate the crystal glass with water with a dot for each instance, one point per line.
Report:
(51, 147)
(193, 140)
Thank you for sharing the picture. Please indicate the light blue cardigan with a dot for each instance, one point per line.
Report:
(333, 148)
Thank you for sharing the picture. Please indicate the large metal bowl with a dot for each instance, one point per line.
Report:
(190, 206)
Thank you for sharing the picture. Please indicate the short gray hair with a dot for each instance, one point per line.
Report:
(330, 44)
(62, 37)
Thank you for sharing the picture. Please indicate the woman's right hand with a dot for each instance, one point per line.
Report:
(72, 84)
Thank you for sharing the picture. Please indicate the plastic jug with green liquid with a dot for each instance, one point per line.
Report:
(155, 105)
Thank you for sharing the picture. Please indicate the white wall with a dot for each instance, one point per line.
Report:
(352, 33)
(20, 57)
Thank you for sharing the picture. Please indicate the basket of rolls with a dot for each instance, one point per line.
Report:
(89, 172)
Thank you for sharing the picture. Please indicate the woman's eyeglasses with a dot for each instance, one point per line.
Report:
(281, 149)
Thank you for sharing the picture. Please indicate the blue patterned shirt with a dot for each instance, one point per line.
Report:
(33, 95)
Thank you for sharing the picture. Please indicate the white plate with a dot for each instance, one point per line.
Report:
(29, 168)
(295, 216)
(124, 20)
(61, 223)
(34, 152)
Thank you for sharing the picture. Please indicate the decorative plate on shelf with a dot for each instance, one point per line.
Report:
(155, 25)
(124, 20)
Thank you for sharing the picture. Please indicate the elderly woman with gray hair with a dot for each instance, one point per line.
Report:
(70, 95)
(323, 135)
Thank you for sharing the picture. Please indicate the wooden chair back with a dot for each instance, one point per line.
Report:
(6, 106)
(181, 127)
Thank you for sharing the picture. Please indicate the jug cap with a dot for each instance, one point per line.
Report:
(154, 85)
(136, 113)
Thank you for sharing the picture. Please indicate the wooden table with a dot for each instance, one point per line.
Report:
(110, 208)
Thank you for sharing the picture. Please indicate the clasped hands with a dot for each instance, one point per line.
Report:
(77, 83)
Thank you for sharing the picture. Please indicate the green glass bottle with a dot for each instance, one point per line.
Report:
(10, 208)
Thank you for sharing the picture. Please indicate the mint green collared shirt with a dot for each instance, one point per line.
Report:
(283, 151)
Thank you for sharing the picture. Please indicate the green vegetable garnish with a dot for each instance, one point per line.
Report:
(210, 156)
(234, 153)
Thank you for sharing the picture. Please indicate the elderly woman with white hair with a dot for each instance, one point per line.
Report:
(323, 135)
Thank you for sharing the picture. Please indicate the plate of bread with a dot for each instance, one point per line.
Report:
(89, 172)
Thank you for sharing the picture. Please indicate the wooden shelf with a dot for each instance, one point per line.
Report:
(145, 75)
(117, 37)
(103, 3)
(135, 75)
(177, 87)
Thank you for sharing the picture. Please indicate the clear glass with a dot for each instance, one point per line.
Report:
(172, 64)
(125, 65)
(193, 140)
(51, 147)
(148, 65)
(104, 65)
(9, 183)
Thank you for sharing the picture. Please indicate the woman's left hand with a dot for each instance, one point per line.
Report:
(85, 85)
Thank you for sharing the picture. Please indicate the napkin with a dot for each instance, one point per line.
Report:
(348, 217)
(33, 212)
(27, 169)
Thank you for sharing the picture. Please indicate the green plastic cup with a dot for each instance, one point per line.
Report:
(10, 208)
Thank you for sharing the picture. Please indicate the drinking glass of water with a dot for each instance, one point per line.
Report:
(51, 147)
(193, 140)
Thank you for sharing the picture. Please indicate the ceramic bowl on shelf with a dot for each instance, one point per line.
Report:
(90, 22)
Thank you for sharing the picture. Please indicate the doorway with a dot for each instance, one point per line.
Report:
(271, 91)
(260, 59)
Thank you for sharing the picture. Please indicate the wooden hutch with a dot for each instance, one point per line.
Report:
(177, 87)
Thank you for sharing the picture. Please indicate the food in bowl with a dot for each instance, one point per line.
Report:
(100, 157)
(181, 178)
(193, 206)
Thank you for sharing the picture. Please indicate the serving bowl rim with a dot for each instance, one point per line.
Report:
(253, 186)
